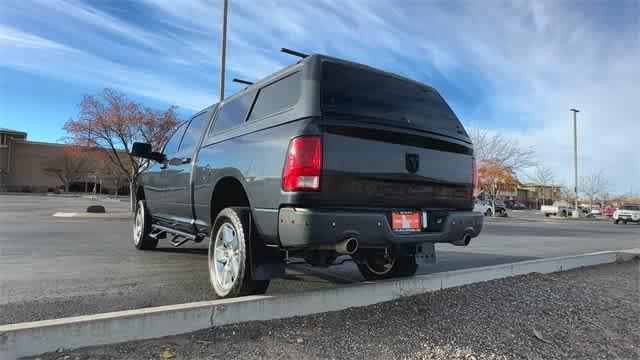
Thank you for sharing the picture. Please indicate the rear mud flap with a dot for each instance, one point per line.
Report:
(265, 262)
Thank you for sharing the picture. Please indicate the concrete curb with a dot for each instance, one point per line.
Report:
(27, 339)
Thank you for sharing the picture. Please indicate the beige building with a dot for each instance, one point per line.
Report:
(531, 195)
(30, 166)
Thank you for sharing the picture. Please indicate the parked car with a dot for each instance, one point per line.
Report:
(559, 208)
(501, 208)
(488, 210)
(608, 211)
(519, 206)
(628, 213)
(482, 207)
(323, 158)
(596, 210)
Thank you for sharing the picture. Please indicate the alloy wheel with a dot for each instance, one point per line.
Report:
(224, 261)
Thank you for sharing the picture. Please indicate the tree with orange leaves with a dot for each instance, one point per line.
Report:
(493, 177)
(73, 164)
(114, 122)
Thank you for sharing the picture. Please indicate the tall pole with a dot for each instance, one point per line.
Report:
(223, 58)
(576, 213)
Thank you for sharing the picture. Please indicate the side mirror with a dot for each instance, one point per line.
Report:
(144, 150)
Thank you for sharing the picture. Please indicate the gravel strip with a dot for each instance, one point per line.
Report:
(580, 314)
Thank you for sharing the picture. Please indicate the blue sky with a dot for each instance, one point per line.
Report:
(515, 67)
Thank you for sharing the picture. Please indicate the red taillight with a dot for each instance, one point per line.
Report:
(474, 180)
(303, 164)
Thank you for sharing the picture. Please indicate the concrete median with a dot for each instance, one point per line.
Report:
(25, 339)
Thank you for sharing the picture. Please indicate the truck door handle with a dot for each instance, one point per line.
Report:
(180, 161)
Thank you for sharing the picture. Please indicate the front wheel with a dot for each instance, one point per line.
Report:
(379, 266)
(229, 273)
(487, 213)
(142, 228)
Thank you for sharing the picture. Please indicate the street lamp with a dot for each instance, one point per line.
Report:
(576, 213)
(223, 48)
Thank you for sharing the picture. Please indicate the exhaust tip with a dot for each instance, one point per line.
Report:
(351, 245)
(348, 246)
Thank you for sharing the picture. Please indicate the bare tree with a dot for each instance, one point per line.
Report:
(593, 185)
(506, 151)
(114, 122)
(499, 158)
(541, 175)
(106, 169)
(74, 163)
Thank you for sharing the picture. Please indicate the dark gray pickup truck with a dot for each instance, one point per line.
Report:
(322, 159)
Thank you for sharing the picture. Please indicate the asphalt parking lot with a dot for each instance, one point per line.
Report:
(54, 267)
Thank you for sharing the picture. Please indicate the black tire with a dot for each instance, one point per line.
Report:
(564, 213)
(142, 228)
(240, 282)
(402, 266)
(487, 213)
(615, 222)
(547, 214)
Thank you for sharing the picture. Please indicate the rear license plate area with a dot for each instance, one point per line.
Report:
(407, 221)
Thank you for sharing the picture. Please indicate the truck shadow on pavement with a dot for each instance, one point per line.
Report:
(348, 273)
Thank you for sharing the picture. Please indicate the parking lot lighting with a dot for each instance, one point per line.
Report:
(576, 213)
(223, 48)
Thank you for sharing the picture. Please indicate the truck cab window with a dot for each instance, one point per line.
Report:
(174, 141)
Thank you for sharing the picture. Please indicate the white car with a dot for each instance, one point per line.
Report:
(559, 208)
(628, 213)
(596, 210)
(482, 207)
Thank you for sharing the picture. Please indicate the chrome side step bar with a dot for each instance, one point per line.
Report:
(179, 237)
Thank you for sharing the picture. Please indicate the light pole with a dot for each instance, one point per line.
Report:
(576, 213)
(223, 48)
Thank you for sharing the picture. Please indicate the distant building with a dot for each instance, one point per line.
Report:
(531, 195)
(536, 195)
(23, 164)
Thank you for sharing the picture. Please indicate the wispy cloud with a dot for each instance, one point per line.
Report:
(38, 55)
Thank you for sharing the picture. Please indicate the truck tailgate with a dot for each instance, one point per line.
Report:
(369, 165)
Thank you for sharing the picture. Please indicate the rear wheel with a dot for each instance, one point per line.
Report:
(487, 213)
(142, 228)
(379, 266)
(229, 273)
